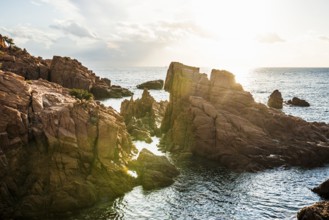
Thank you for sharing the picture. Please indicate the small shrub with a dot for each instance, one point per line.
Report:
(81, 94)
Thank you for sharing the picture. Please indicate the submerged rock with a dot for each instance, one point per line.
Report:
(298, 102)
(155, 84)
(154, 171)
(317, 211)
(57, 153)
(143, 116)
(275, 100)
(218, 120)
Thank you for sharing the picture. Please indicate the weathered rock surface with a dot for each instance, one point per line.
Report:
(323, 189)
(317, 211)
(57, 153)
(143, 116)
(70, 73)
(153, 171)
(154, 84)
(64, 71)
(218, 120)
(275, 100)
(298, 102)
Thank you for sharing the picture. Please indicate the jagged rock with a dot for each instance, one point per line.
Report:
(218, 120)
(57, 153)
(143, 116)
(22, 63)
(298, 102)
(317, 211)
(155, 84)
(64, 71)
(275, 100)
(154, 171)
(323, 189)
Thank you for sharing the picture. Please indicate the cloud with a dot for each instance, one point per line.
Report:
(23, 34)
(324, 38)
(66, 7)
(73, 28)
(269, 38)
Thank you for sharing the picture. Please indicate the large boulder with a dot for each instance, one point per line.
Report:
(153, 171)
(275, 100)
(154, 84)
(218, 120)
(298, 102)
(317, 211)
(57, 153)
(143, 116)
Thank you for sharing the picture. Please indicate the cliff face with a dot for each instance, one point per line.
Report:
(218, 120)
(57, 153)
(64, 71)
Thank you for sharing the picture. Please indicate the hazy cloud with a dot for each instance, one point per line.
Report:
(71, 27)
(324, 38)
(269, 38)
(23, 34)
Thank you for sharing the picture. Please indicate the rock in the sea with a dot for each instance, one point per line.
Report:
(275, 100)
(155, 84)
(154, 171)
(317, 211)
(57, 153)
(298, 102)
(143, 116)
(323, 189)
(218, 120)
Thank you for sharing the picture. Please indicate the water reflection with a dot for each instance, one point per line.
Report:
(205, 191)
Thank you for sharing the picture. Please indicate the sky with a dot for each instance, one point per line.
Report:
(208, 33)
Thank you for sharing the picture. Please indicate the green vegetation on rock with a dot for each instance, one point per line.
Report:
(81, 94)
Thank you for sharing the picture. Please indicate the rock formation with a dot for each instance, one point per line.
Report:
(218, 120)
(317, 211)
(155, 84)
(143, 116)
(57, 153)
(153, 171)
(323, 189)
(298, 102)
(275, 100)
(65, 71)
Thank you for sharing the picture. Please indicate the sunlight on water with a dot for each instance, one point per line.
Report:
(205, 191)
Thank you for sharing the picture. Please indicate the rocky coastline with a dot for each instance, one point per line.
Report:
(59, 153)
(216, 119)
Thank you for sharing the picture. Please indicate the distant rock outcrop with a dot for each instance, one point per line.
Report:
(218, 120)
(143, 116)
(64, 71)
(298, 102)
(155, 84)
(275, 100)
(317, 211)
(70, 73)
(153, 171)
(57, 153)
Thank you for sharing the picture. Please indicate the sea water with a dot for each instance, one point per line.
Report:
(204, 190)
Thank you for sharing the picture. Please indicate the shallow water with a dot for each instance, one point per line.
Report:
(205, 191)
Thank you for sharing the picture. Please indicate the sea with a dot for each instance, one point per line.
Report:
(205, 190)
